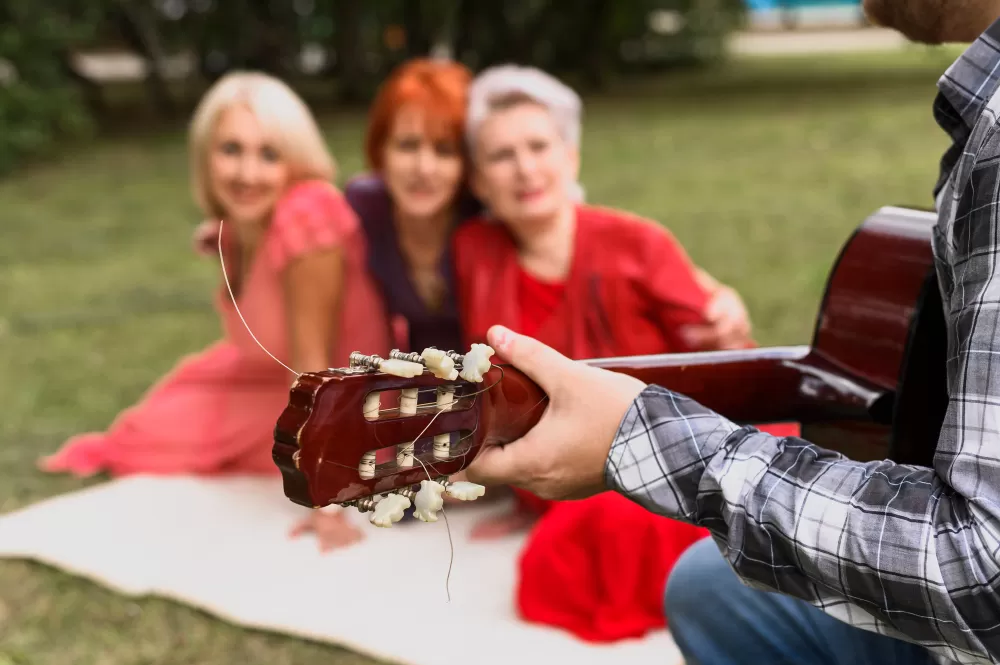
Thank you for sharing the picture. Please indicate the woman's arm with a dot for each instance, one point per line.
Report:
(694, 310)
(313, 293)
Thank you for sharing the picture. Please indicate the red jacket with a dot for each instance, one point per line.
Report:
(630, 286)
(595, 567)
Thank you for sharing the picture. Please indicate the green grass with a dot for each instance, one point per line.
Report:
(761, 170)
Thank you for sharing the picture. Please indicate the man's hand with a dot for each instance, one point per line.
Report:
(564, 455)
(728, 324)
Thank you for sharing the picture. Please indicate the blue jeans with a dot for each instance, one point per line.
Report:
(717, 620)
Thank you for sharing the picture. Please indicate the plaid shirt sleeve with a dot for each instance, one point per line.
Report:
(901, 550)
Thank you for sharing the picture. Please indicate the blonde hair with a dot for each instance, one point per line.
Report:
(504, 86)
(281, 113)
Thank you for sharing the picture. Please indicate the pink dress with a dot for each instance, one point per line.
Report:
(215, 411)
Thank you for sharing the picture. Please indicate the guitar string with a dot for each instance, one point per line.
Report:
(225, 276)
(451, 543)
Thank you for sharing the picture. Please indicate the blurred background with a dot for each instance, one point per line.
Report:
(760, 132)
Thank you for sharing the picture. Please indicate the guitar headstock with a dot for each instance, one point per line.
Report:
(367, 435)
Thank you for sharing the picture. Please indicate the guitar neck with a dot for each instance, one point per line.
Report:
(749, 386)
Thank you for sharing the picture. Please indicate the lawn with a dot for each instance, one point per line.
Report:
(761, 170)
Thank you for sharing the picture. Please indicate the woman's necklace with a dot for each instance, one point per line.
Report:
(425, 273)
(422, 255)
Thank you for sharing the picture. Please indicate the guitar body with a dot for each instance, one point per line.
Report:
(871, 385)
(881, 322)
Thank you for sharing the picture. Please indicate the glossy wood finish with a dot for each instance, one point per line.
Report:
(872, 293)
(843, 388)
(875, 297)
(321, 436)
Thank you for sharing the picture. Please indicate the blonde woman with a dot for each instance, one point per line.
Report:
(295, 259)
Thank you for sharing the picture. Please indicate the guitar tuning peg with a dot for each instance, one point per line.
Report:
(440, 363)
(395, 366)
(428, 501)
(401, 368)
(389, 510)
(476, 363)
(463, 490)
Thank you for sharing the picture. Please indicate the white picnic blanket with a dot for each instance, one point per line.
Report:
(222, 545)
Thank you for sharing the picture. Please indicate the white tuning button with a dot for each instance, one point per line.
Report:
(403, 368)
(476, 363)
(428, 501)
(440, 364)
(389, 510)
(465, 491)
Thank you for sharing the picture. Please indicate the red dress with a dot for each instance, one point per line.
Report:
(596, 567)
(214, 412)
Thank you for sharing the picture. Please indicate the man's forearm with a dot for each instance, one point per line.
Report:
(795, 518)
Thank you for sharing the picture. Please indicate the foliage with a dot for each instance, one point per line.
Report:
(349, 45)
(41, 102)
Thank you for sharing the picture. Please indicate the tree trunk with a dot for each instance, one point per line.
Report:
(592, 47)
(418, 43)
(465, 28)
(350, 54)
(139, 31)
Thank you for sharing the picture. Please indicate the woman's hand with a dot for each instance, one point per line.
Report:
(332, 529)
(728, 322)
(205, 239)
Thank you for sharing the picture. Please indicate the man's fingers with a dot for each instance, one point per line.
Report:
(498, 465)
(542, 364)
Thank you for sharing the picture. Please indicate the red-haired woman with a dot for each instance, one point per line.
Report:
(413, 198)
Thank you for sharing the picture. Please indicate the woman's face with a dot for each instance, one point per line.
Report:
(246, 171)
(423, 175)
(523, 167)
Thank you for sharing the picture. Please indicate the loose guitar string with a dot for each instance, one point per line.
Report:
(225, 276)
(451, 543)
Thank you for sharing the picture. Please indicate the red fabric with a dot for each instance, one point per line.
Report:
(214, 412)
(599, 567)
(596, 567)
(630, 286)
(537, 300)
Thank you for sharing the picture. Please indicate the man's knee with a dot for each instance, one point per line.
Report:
(698, 578)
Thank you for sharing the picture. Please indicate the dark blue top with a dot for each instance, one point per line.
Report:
(368, 196)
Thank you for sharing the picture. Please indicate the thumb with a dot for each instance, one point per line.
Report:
(540, 363)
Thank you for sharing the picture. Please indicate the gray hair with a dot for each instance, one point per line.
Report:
(499, 87)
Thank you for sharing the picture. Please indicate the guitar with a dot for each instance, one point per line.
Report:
(871, 385)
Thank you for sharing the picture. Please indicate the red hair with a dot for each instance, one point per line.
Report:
(439, 87)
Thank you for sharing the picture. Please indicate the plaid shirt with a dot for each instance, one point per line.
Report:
(900, 550)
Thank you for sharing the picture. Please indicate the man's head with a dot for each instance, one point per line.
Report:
(934, 21)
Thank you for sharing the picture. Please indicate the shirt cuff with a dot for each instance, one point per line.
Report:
(662, 447)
